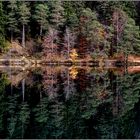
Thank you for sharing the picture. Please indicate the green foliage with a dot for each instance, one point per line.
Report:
(42, 112)
(85, 114)
(131, 38)
(3, 103)
(92, 21)
(24, 113)
(12, 106)
(2, 25)
(41, 15)
(12, 21)
(57, 14)
(70, 14)
(130, 95)
(106, 8)
(100, 105)
(127, 124)
(24, 13)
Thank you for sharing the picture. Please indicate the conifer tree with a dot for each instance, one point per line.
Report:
(71, 15)
(92, 29)
(131, 38)
(24, 13)
(57, 14)
(2, 24)
(126, 33)
(41, 15)
(11, 17)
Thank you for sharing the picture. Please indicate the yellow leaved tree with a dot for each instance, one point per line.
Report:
(73, 54)
(73, 72)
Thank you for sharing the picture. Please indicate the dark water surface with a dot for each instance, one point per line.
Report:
(71, 103)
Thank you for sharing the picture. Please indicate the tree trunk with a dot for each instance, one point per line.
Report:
(40, 30)
(68, 45)
(52, 47)
(68, 84)
(23, 89)
(23, 36)
(11, 36)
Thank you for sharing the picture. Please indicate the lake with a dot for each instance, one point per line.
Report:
(70, 102)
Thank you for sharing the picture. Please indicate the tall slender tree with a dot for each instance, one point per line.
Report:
(126, 37)
(130, 43)
(24, 13)
(2, 24)
(69, 42)
(11, 17)
(41, 15)
(57, 14)
(49, 44)
(92, 30)
(70, 14)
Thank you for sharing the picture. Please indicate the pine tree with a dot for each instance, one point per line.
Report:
(3, 82)
(131, 38)
(24, 115)
(12, 20)
(57, 14)
(12, 111)
(41, 15)
(92, 30)
(2, 24)
(71, 15)
(24, 13)
(106, 8)
(126, 36)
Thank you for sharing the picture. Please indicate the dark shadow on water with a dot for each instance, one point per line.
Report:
(70, 102)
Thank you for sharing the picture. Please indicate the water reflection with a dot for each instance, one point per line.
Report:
(70, 102)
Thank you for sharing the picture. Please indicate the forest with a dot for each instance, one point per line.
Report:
(61, 30)
(70, 100)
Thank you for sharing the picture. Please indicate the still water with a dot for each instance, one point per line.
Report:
(70, 102)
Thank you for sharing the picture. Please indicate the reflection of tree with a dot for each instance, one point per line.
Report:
(127, 125)
(23, 118)
(57, 118)
(126, 93)
(130, 90)
(18, 119)
(107, 125)
(71, 108)
(95, 95)
(12, 113)
(50, 81)
(115, 86)
(68, 83)
(49, 115)
(15, 78)
(41, 117)
(3, 103)
(42, 111)
(13, 117)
